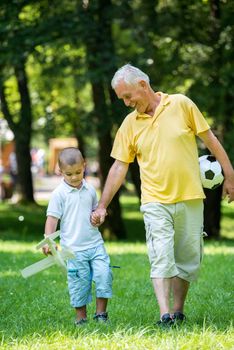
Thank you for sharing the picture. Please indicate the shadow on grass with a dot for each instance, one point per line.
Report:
(22, 223)
(26, 223)
(40, 304)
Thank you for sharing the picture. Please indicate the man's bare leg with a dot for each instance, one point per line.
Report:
(180, 289)
(162, 289)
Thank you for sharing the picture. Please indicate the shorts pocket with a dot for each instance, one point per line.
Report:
(147, 231)
(72, 273)
(149, 228)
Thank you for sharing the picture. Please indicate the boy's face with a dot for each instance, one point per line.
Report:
(73, 174)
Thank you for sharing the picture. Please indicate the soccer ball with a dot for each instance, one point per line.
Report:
(210, 171)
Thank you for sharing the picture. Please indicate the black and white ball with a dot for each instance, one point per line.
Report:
(210, 171)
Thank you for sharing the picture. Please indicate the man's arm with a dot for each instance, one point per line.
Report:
(215, 147)
(114, 180)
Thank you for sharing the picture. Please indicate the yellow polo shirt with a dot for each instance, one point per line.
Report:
(166, 149)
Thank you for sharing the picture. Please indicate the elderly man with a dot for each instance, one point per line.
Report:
(160, 133)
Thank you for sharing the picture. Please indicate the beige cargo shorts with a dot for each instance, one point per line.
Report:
(174, 237)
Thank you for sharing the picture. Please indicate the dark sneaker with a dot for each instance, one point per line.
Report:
(102, 317)
(165, 321)
(178, 318)
(81, 322)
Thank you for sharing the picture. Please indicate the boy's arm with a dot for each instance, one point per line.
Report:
(215, 147)
(50, 227)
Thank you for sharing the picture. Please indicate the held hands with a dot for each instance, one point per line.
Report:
(228, 188)
(98, 216)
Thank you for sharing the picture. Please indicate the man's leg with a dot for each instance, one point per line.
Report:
(162, 289)
(180, 289)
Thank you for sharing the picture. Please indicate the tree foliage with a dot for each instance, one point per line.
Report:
(57, 60)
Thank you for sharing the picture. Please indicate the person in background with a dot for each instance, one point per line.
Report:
(72, 202)
(160, 133)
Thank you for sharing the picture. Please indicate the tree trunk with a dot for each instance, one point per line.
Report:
(212, 212)
(22, 133)
(24, 177)
(212, 203)
(100, 56)
(23, 136)
(135, 176)
(114, 226)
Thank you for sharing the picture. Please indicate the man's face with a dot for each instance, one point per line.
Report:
(73, 174)
(133, 96)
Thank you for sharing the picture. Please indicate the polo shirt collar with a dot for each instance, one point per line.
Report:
(71, 189)
(165, 100)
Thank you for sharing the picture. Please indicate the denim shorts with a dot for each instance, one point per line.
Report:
(174, 237)
(89, 265)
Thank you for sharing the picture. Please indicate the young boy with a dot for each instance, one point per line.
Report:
(72, 202)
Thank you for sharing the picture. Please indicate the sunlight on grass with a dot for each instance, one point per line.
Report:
(126, 248)
(219, 249)
(145, 338)
(17, 247)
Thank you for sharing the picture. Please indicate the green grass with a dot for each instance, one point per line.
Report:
(35, 313)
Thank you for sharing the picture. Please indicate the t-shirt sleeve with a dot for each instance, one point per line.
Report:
(197, 122)
(55, 207)
(123, 149)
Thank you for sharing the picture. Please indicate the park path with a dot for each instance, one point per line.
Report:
(45, 184)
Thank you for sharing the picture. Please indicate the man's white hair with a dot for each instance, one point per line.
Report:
(130, 75)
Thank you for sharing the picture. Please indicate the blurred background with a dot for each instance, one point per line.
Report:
(57, 59)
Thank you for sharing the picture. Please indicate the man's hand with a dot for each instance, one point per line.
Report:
(228, 188)
(98, 216)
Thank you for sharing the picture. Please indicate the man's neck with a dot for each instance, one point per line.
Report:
(154, 102)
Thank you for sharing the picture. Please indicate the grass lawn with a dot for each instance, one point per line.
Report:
(35, 313)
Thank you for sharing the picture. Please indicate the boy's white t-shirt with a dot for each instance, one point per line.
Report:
(73, 207)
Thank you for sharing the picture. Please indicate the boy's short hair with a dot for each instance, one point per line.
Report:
(70, 156)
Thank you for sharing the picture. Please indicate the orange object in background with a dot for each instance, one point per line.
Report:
(55, 146)
(6, 150)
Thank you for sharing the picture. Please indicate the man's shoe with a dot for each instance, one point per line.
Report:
(178, 318)
(81, 322)
(165, 321)
(102, 317)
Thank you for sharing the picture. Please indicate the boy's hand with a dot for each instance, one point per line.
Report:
(98, 216)
(46, 249)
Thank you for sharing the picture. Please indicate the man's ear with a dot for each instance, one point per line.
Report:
(142, 84)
